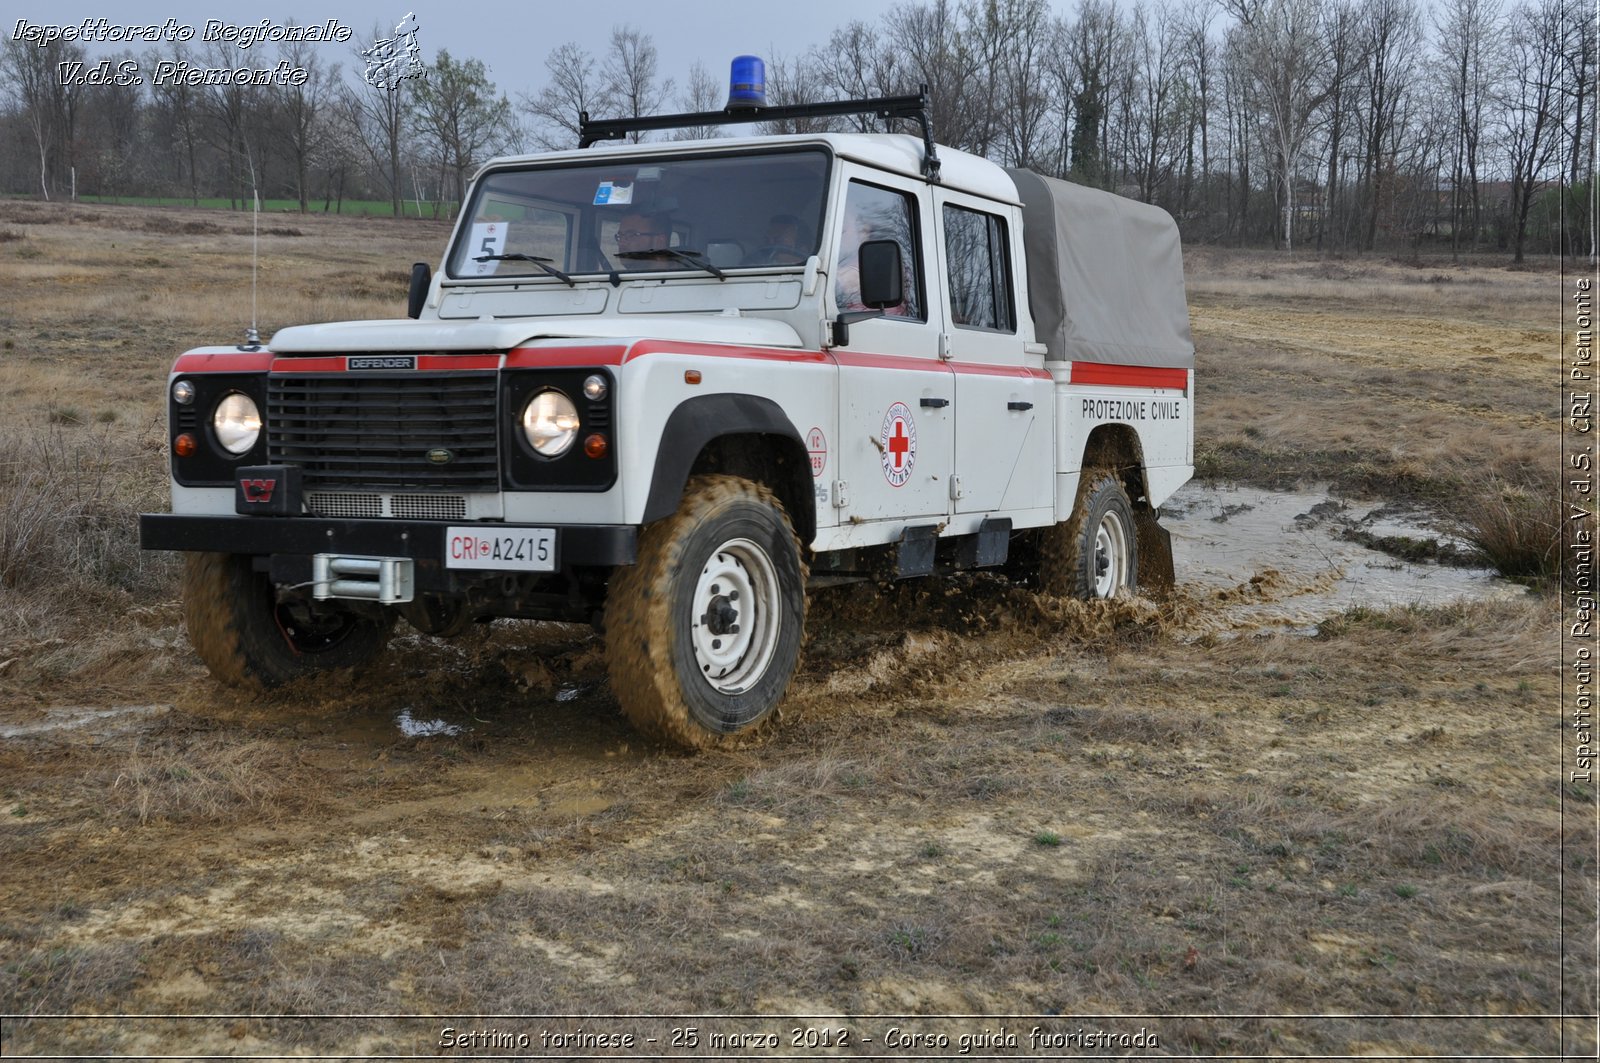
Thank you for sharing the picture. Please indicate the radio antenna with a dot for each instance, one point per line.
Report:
(252, 338)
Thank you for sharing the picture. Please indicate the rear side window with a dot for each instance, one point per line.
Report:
(980, 270)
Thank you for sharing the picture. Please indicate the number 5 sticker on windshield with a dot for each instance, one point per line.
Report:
(488, 238)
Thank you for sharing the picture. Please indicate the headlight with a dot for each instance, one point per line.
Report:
(237, 423)
(594, 388)
(550, 422)
(183, 393)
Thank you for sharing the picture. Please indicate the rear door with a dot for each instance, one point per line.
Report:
(1003, 443)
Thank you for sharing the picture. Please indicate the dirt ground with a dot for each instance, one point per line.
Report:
(1152, 819)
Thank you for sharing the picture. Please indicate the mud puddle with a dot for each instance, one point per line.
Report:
(1289, 559)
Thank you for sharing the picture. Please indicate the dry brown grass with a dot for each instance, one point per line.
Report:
(1369, 374)
(99, 301)
(200, 780)
(1521, 530)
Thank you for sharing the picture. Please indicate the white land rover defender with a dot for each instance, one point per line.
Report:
(667, 387)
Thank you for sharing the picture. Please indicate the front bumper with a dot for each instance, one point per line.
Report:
(577, 545)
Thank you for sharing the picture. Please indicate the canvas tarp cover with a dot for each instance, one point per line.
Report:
(1105, 275)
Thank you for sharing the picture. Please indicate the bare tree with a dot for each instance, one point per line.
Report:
(1392, 36)
(1530, 108)
(1283, 48)
(1090, 50)
(228, 113)
(936, 51)
(1025, 105)
(1156, 41)
(177, 104)
(702, 92)
(576, 87)
(1472, 68)
(1199, 57)
(302, 125)
(857, 63)
(632, 75)
(1341, 30)
(113, 127)
(1582, 53)
(46, 103)
(376, 117)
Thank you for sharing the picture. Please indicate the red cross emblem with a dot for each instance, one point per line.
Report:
(898, 439)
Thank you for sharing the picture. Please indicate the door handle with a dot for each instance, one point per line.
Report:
(1019, 405)
(935, 404)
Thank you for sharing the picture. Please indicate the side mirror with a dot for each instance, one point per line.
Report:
(421, 278)
(882, 274)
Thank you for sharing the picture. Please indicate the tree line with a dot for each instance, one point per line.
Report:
(1337, 124)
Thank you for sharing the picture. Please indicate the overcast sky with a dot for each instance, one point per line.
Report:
(512, 38)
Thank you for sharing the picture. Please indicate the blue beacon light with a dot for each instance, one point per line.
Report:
(747, 83)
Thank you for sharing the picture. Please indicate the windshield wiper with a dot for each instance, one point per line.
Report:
(688, 254)
(542, 263)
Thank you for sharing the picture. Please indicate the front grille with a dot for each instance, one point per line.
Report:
(379, 430)
(428, 507)
(404, 507)
(343, 504)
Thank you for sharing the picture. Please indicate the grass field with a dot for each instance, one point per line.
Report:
(985, 801)
(350, 207)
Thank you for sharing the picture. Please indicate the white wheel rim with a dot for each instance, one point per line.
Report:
(735, 619)
(1110, 557)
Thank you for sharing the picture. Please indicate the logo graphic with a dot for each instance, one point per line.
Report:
(257, 491)
(391, 61)
(898, 447)
(817, 447)
(441, 456)
(381, 361)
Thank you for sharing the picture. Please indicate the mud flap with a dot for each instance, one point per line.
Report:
(1155, 553)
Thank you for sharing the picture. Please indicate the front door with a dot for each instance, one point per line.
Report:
(896, 396)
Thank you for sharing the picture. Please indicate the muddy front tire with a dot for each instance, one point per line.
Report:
(1095, 553)
(246, 637)
(703, 634)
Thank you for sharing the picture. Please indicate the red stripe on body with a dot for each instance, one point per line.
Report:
(1021, 372)
(616, 354)
(564, 357)
(717, 350)
(1130, 376)
(242, 362)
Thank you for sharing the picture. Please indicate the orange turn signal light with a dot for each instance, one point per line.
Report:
(691, 376)
(596, 446)
(185, 445)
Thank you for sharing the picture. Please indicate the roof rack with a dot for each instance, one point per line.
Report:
(913, 106)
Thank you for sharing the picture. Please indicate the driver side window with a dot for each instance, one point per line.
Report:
(874, 213)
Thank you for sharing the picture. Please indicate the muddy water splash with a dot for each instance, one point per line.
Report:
(1257, 558)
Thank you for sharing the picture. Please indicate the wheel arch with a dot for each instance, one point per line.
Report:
(1117, 447)
(742, 435)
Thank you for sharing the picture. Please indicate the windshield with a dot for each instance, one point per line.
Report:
(709, 214)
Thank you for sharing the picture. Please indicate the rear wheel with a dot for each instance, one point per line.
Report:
(703, 634)
(1095, 553)
(247, 637)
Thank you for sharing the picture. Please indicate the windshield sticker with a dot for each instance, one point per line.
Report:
(488, 238)
(612, 193)
(649, 173)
